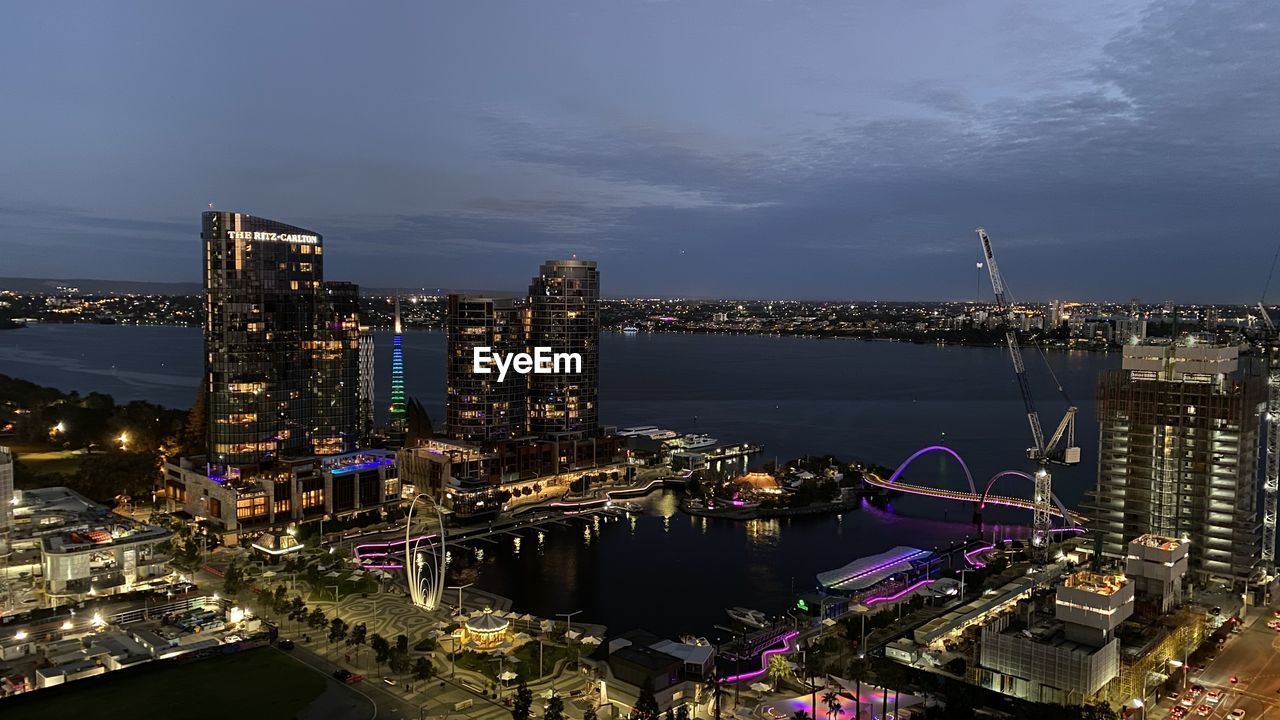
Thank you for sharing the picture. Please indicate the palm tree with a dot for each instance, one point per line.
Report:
(832, 701)
(779, 670)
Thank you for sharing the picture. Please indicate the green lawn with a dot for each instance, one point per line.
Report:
(525, 663)
(43, 459)
(261, 683)
(347, 585)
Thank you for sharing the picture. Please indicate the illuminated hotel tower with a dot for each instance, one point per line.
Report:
(399, 419)
(262, 282)
(564, 315)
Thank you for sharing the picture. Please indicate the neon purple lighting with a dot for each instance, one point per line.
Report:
(905, 591)
(914, 554)
(786, 647)
(977, 563)
(935, 448)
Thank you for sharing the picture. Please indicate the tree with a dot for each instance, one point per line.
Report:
(682, 713)
(555, 709)
(589, 713)
(398, 661)
(646, 707)
(832, 701)
(357, 638)
(523, 703)
(422, 668)
(337, 630)
(233, 579)
(298, 609)
(799, 714)
(402, 643)
(381, 648)
(779, 669)
(671, 715)
(278, 601)
(317, 619)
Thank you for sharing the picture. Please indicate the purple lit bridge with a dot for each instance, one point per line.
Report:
(981, 500)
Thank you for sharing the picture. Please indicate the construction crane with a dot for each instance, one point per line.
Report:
(1271, 480)
(1043, 452)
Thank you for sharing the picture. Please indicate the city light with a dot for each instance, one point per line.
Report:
(20, 635)
(123, 440)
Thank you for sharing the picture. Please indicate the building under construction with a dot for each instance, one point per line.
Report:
(1178, 455)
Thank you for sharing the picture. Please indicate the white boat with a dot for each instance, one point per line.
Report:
(747, 616)
(630, 330)
(693, 442)
(663, 434)
(638, 430)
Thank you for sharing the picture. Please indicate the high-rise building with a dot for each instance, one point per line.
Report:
(262, 280)
(399, 424)
(564, 315)
(1054, 315)
(1178, 428)
(6, 490)
(368, 360)
(335, 359)
(478, 407)
(1131, 330)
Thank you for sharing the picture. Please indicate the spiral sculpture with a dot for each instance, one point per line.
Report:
(424, 558)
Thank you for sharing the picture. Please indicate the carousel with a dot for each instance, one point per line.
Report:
(487, 631)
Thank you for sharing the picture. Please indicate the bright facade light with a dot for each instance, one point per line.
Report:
(20, 635)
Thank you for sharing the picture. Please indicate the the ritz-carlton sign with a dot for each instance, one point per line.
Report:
(272, 237)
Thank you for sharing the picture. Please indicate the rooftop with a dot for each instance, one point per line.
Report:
(1097, 583)
(1158, 541)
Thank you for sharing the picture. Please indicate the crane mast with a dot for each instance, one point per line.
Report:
(1044, 453)
(1271, 481)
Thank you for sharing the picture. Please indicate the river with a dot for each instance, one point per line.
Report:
(667, 572)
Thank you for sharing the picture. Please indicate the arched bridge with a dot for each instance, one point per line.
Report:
(973, 496)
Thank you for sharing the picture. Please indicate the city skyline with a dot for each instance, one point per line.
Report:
(834, 153)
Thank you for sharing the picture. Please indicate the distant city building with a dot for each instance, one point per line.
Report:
(1054, 315)
(399, 425)
(335, 358)
(564, 315)
(1178, 441)
(368, 365)
(479, 408)
(1211, 319)
(1130, 330)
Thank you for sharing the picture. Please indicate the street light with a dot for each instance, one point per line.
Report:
(123, 440)
(459, 588)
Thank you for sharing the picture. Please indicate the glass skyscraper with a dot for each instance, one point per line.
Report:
(564, 315)
(335, 357)
(277, 343)
(479, 408)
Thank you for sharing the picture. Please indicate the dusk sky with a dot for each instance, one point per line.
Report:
(731, 148)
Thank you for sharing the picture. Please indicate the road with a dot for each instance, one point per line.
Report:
(1253, 657)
